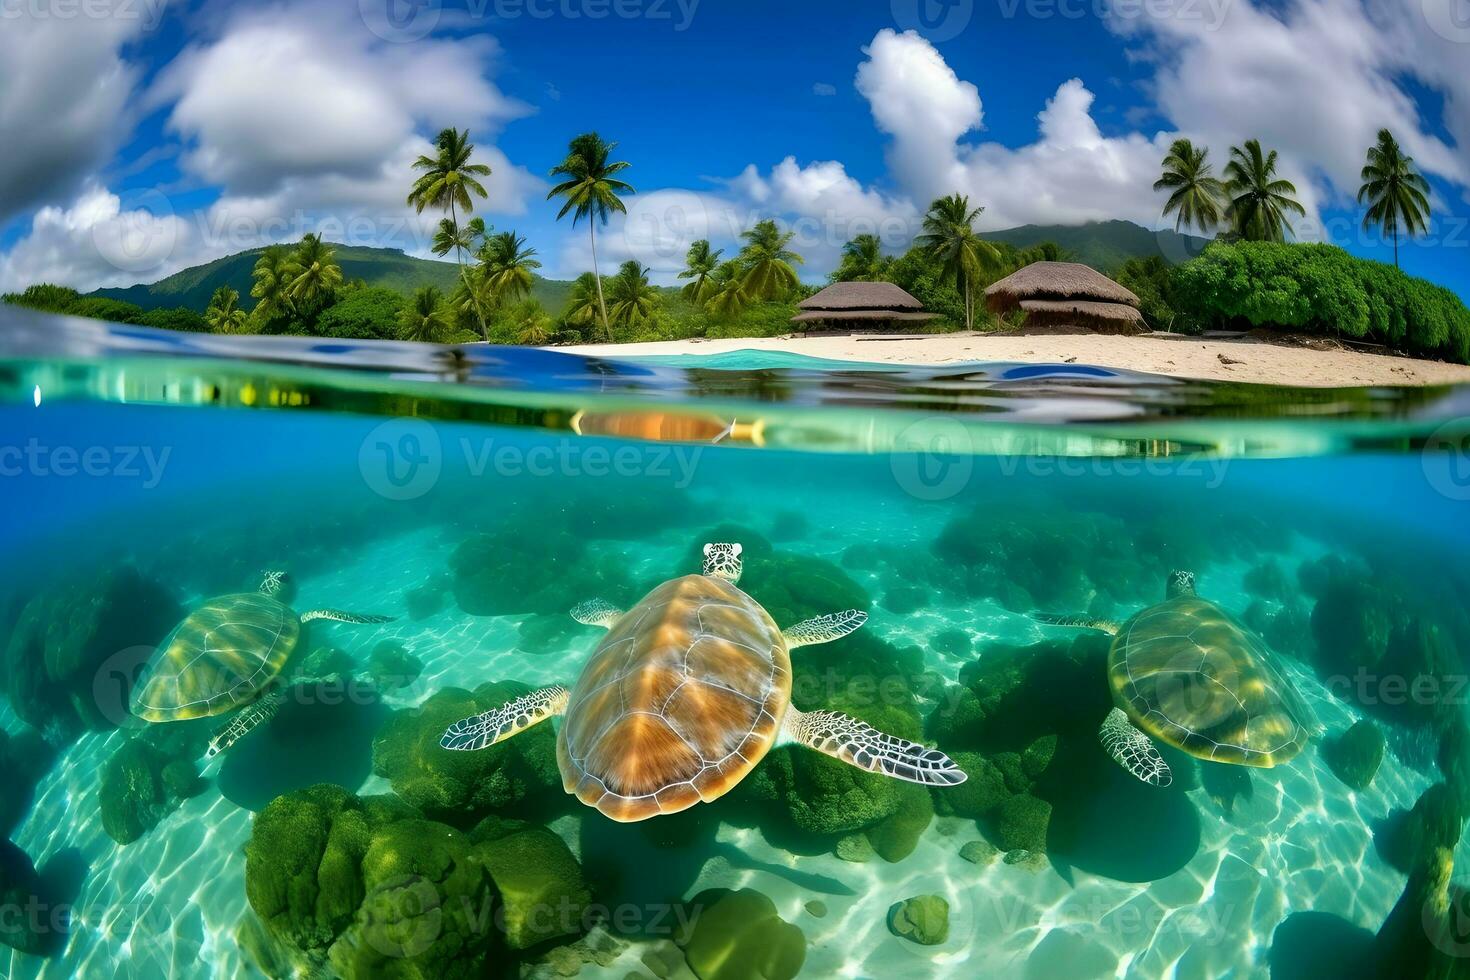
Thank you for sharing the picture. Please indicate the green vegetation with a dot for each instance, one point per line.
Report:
(591, 192)
(447, 184)
(1321, 289)
(1194, 191)
(949, 235)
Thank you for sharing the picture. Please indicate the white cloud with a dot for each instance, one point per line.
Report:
(283, 95)
(98, 241)
(64, 98)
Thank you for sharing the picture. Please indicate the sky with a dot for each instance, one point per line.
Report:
(146, 136)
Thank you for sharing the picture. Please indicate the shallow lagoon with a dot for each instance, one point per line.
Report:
(477, 517)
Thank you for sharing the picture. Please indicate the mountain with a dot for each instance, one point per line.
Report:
(1105, 245)
(388, 267)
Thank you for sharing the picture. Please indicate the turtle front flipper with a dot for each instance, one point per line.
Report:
(244, 722)
(823, 629)
(337, 615)
(1132, 749)
(859, 744)
(1109, 626)
(597, 612)
(499, 724)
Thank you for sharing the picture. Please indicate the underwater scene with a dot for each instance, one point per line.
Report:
(422, 663)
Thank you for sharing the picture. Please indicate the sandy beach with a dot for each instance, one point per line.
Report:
(1224, 360)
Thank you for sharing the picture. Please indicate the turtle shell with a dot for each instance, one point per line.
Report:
(681, 699)
(219, 658)
(1189, 675)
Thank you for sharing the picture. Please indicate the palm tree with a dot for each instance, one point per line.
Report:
(582, 301)
(508, 267)
(862, 261)
(449, 183)
(314, 274)
(223, 315)
(1397, 197)
(1259, 200)
(633, 299)
(1196, 197)
(699, 264)
(532, 324)
(427, 318)
(272, 274)
(728, 297)
(591, 192)
(949, 235)
(767, 263)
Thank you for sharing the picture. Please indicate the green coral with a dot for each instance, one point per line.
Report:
(540, 882)
(140, 785)
(1354, 756)
(462, 787)
(895, 837)
(1020, 823)
(739, 936)
(923, 919)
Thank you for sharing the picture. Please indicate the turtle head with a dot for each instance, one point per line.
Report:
(1180, 583)
(273, 582)
(723, 561)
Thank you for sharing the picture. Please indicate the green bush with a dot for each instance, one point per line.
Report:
(370, 313)
(175, 318)
(1322, 289)
(45, 297)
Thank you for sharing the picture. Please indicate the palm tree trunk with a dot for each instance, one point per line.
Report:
(597, 277)
(464, 276)
(969, 314)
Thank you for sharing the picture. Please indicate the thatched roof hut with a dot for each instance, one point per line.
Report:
(1066, 294)
(860, 305)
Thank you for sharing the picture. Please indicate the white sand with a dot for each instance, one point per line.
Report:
(1258, 362)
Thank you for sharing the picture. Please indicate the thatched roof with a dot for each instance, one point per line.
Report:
(861, 296)
(1055, 281)
(1082, 307)
(904, 316)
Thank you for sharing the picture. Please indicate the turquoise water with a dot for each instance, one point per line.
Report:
(476, 497)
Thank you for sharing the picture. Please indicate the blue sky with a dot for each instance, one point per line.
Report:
(167, 133)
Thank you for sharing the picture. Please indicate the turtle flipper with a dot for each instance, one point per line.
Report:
(339, 616)
(859, 744)
(244, 722)
(1108, 626)
(499, 724)
(1133, 750)
(823, 629)
(597, 612)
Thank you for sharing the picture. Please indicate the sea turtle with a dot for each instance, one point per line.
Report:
(686, 693)
(225, 657)
(1186, 673)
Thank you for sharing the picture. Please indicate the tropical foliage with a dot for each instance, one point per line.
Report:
(591, 189)
(450, 182)
(1259, 200)
(949, 235)
(699, 267)
(767, 265)
(862, 261)
(427, 318)
(1196, 196)
(1397, 197)
(631, 298)
(223, 315)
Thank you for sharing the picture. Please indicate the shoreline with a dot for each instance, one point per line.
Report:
(1245, 359)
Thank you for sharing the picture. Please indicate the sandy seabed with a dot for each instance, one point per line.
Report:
(1220, 360)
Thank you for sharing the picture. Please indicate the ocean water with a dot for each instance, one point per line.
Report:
(475, 497)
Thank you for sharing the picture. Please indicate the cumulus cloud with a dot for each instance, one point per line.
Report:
(282, 95)
(64, 98)
(98, 240)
